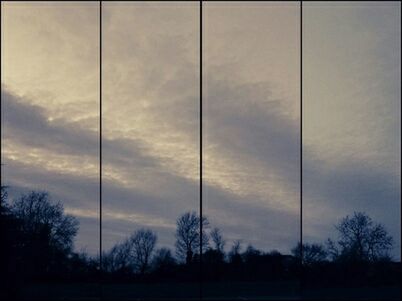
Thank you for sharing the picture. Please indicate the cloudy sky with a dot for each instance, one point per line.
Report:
(251, 118)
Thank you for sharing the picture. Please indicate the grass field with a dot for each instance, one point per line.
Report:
(212, 291)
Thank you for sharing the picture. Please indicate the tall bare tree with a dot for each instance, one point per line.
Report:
(142, 244)
(188, 236)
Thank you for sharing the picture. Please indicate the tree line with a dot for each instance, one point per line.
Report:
(37, 245)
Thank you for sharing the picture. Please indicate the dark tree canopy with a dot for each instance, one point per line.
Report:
(312, 253)
(36, 239)
(360, 239)
(41, 217)
(163, 260)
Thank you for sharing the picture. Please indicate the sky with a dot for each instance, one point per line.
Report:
(251, 115)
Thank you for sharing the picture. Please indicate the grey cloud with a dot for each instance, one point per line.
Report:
(29, 125)
(244, 119)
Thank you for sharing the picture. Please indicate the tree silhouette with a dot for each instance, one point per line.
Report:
(234, 254)
(142, 244)
(41, 218)
(3, 197)
(133, 255)
(188, 236)
(4, 208)
(36, 240)
(360, 239)
(118, 259)
(312, 253)
(36, 237)
(251, 253)
(215, 255)
(217, 239)
(4, 194)
(163, 261)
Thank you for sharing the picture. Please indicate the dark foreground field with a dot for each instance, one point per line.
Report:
(220, 291)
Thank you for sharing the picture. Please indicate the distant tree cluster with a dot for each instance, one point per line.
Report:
(359, 240)
(132, 255)
(37, 243)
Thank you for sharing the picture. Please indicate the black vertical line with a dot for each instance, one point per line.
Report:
(201, 216)
(301, 147)
(100, 148)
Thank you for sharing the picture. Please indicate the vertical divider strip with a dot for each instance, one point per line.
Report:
(100, 150)
(301, 147)
(201, 215)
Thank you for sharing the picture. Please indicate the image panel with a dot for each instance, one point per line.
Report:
(251, 149)
(351, 150)
(49, 150)
(150, 148)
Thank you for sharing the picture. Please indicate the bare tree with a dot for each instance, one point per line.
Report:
(142, 244)
(217, 239)
(360, 239)
(236, 247)
(312, 253)
(163, 260)
(118, 258)
(234, 254)
(40, 216)
(188, 236)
